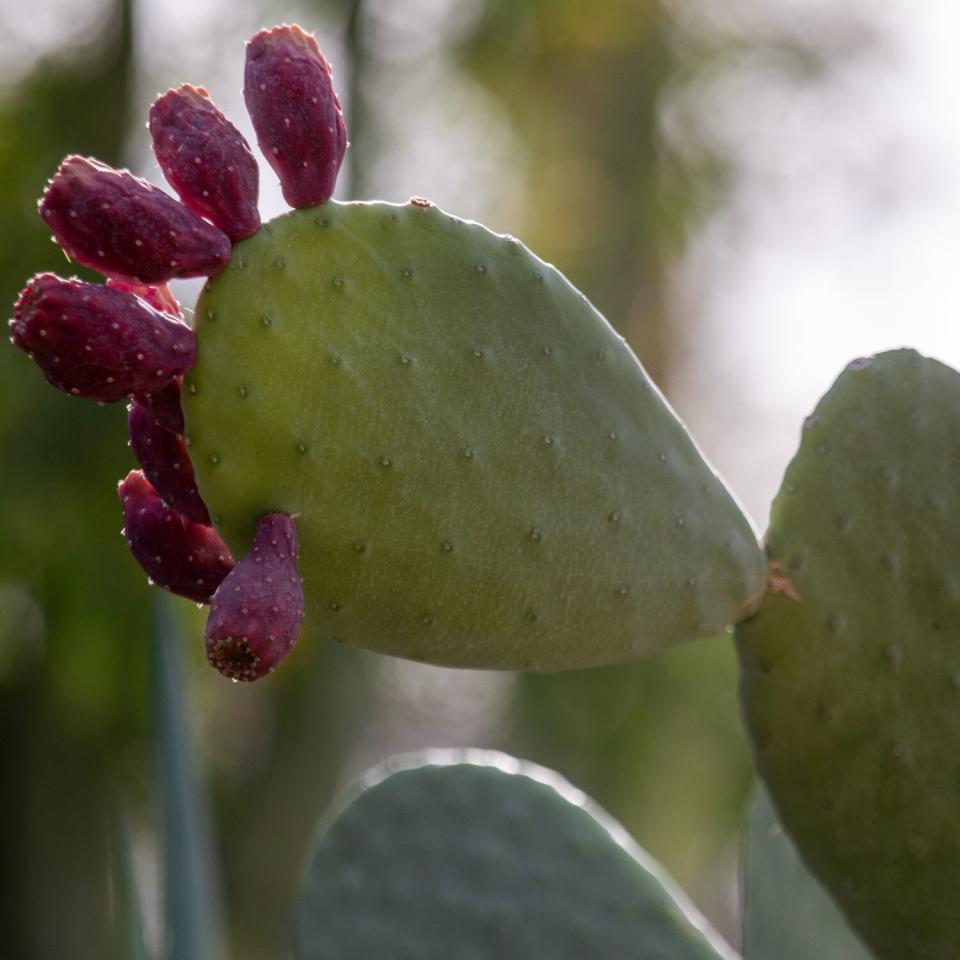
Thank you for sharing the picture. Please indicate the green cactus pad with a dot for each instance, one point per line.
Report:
(472, 855)
(787, 914)
(483, 472)
(851, 668)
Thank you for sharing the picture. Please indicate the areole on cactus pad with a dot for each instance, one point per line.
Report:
(479, 471)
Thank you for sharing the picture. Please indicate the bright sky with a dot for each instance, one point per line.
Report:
(842, 239)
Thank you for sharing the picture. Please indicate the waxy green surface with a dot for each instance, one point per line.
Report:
(483, 473)
(852, 687)
(787, 914)
(472, 855)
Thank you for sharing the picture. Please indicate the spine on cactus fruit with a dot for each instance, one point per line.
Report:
(96, 342)
(206, 160)
(288, 90)
(125, 227)
(257, 613)
(166, 463)
(186, 558)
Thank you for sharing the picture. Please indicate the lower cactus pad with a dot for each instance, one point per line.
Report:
(472, 855)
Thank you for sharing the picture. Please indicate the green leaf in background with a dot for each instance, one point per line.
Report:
(471, 854)
(787, 914)
(194, 924)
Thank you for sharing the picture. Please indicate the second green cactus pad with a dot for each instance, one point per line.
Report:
(484, 475)
(851, 669)
(469, 856)
(787, 915)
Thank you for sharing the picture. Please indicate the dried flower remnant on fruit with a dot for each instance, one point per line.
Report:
(123, 226)
(288, 89)
(157, 295)
(166, 463)
(96, 342)
(257, 613)
(206, 160)
(186, 558)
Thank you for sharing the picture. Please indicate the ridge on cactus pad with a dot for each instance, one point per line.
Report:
(475, 855)
(481, 471)
(851, 669)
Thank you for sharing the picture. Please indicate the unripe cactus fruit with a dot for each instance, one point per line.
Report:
(181, 556)
(166, 463)
(123, 226)
(257, 612)
(483, 473)
(206, 159)
(97, 342)
(851, 672)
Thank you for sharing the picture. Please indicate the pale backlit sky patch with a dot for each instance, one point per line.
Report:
(841, 237)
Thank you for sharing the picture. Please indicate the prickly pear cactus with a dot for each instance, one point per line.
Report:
(787, 915)
(851, 671)
(475, 855)
(481, 471)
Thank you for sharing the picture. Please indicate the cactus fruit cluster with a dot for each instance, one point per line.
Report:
(126, 339)
(415, 436)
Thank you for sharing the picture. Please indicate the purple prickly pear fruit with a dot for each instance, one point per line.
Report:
(257, 613)
(157, 295)
(166, 463)
(186, 558)
(123, 226)
(164, 403)
(96, 342)
(165, 406)
(288, 89)
(206, 160)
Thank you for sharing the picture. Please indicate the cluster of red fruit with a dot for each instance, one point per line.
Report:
(127, 339)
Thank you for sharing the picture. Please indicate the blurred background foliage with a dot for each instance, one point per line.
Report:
(568, 101)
